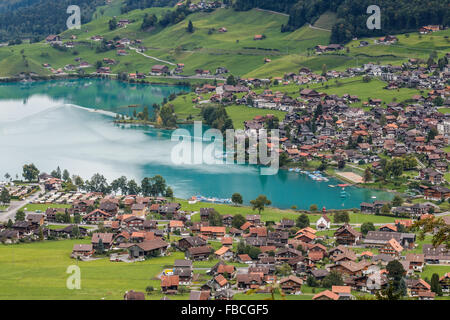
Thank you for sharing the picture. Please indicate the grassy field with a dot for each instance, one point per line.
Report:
(353, 86)
(430, 269)
(38, 271)
(326, 21)
(108, 10)
(44, 206)
(206, 48)
(239, 114)
(269, 214)
(274, 214)
(266, 296)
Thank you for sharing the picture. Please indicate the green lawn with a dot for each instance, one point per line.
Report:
(430, 269)
(326, 21)
(274, 214)
(266, 296)
(361, 218)
(365, 90)
(38, 271)
(109, 10)
(184, 107)
(269, 214)
(239, 114)
(44, 206)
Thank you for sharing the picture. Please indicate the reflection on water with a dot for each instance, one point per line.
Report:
(45, 130)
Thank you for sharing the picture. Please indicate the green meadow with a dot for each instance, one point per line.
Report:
(38, 271)
(274, 214)
(44, 206)
(430, 269)
(240, 113)
(207, 48)
(354, 86)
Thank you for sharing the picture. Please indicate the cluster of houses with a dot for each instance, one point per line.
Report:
(306, 254)
(133, 228)
(206, 6)
(20, 191)
(322, 126)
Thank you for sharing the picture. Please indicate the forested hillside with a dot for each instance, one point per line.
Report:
(10, 5)
(397, 16)
(38, 18)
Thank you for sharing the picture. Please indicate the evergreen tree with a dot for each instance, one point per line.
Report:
(238, 221)
(66, 175)
(367, 175)
(435, 285)
(302, 221)
(100, 246)
(5, 197)
(112, 24)
(20, 215)
(190, 27)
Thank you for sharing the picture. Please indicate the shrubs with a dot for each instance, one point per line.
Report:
(341, 217)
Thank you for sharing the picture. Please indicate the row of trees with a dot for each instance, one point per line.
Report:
(154, 186)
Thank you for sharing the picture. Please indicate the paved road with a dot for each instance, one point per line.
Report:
(274, 12)
(16, 205)
(150, 57)
(317, 28)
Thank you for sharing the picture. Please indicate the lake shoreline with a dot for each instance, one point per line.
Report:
(86, 143)
(37, 78)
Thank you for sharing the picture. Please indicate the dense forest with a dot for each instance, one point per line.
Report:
(397, 16)
(9, 5)
(39, 18)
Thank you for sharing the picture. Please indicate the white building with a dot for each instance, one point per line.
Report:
(323, 223)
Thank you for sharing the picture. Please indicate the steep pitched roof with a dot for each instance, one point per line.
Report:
(395, 245)
(327, 293)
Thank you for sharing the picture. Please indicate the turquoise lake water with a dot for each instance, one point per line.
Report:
(40, 123)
